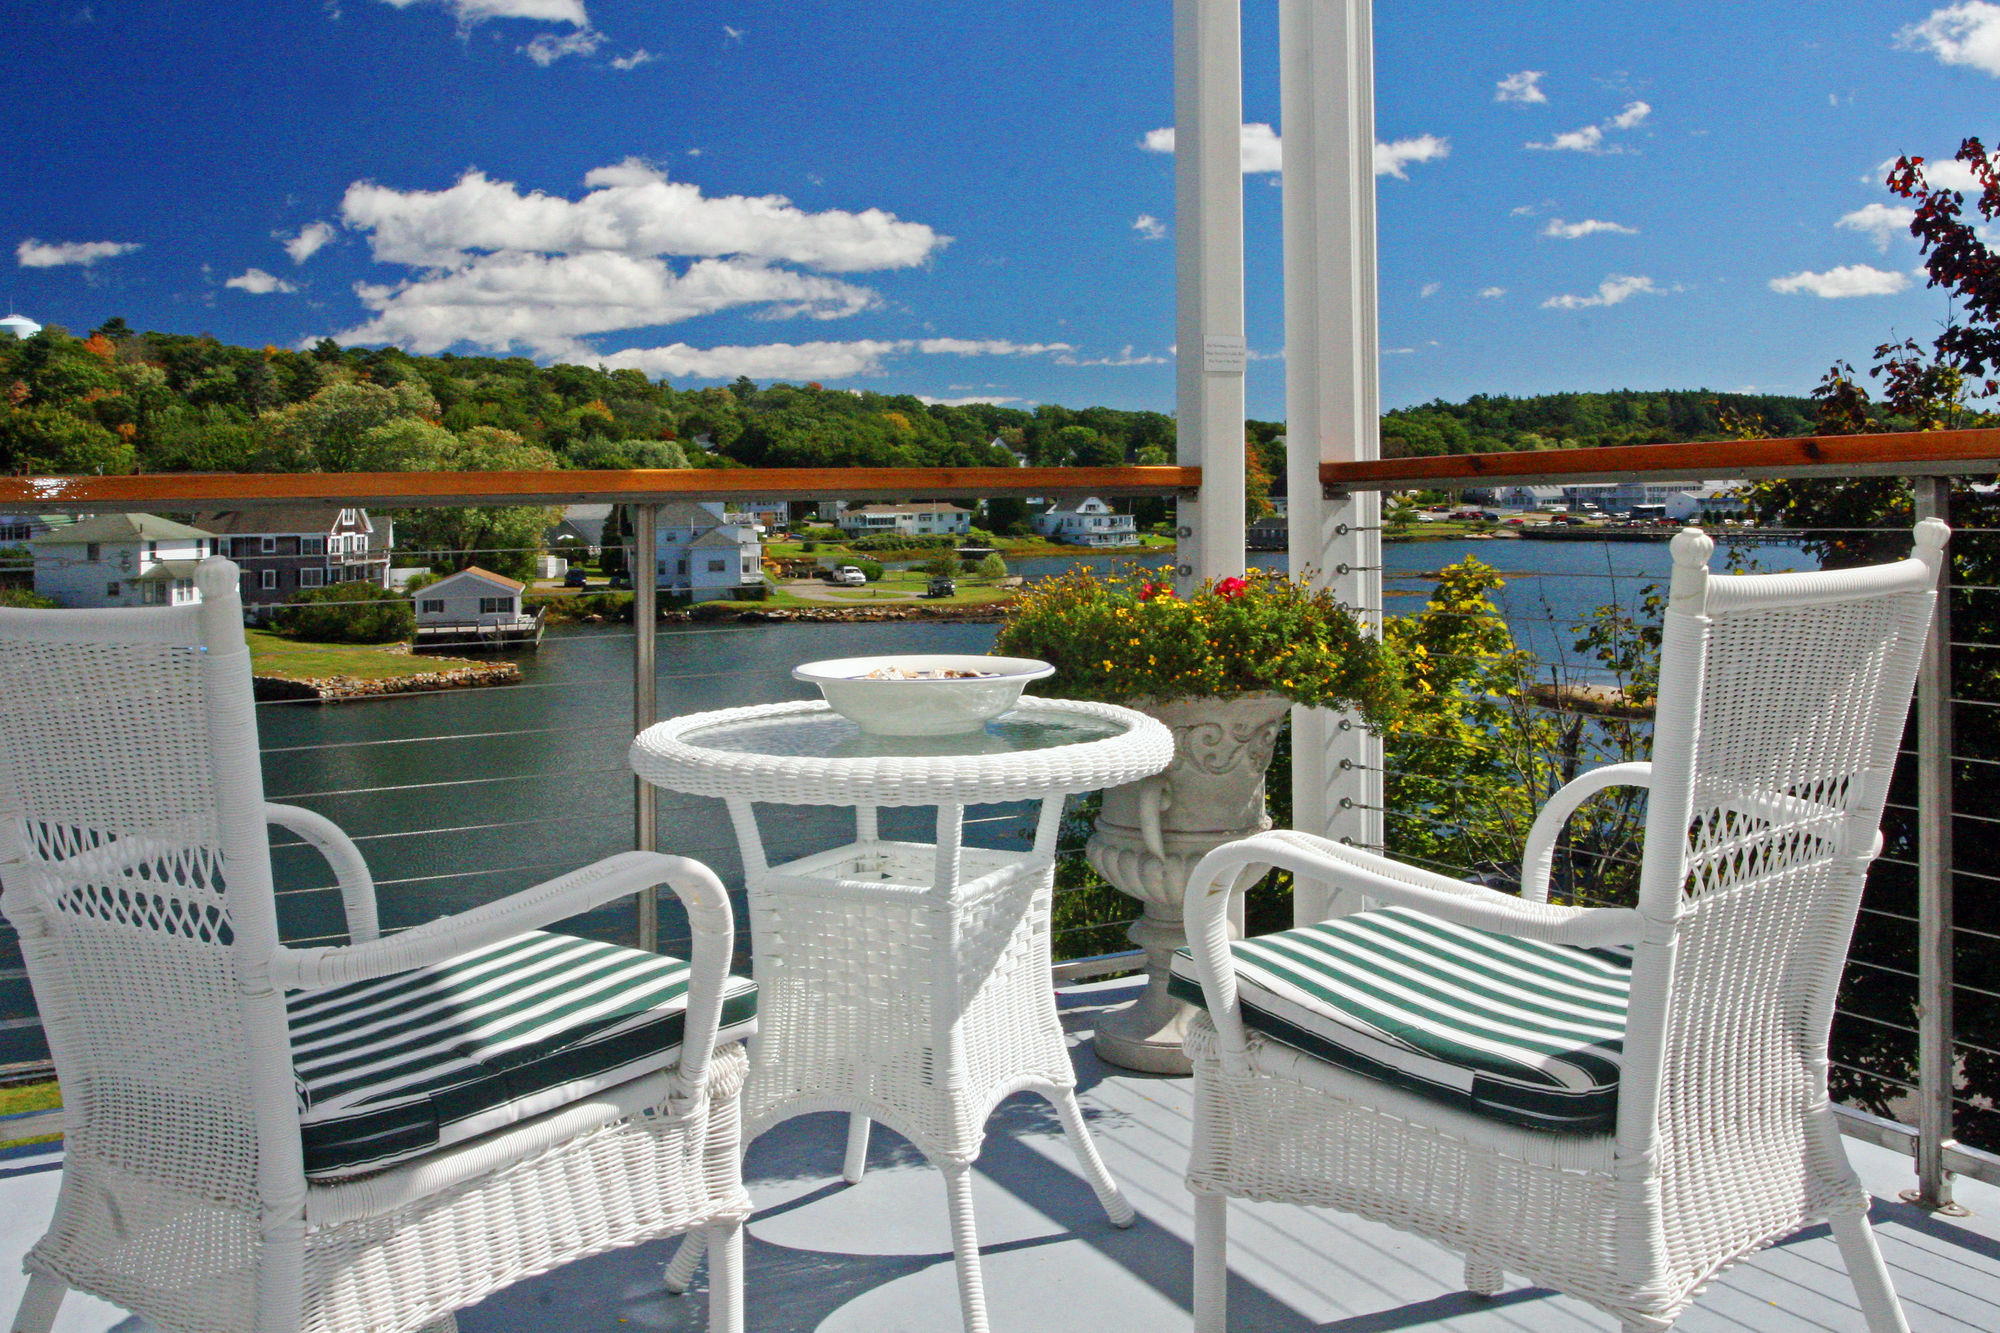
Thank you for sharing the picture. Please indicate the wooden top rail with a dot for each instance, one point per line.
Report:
(419, 490)
(1925, 453)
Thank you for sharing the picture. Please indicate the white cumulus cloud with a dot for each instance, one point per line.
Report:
(1127, 357)
(1633, 115)
(1570, 231)
(1879, 222)
(259, 283)
(547, 48)
(546, 303)
(631, 208)
(810, 360)
(1391, 158)
(475, 11)
(640, 56)
(1590, 138)
(1962, 34)
(1847, 280)
(1523, 89)
(1614, 290)
(32, 253)
(1492, 293)
(1149, 227)
(1263, 151)
(311, 239)
(1429, 289)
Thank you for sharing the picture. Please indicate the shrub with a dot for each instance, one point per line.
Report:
(993, 567)
(26, 600)
(870, 569)
(346, 613)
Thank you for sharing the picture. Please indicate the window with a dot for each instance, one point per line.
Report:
(717, 566)
(312, 578)
(496, 606)
(15, 532)
(336, 545)
(267, 546)
(359, 543)
(431, 606)
(110, 590)
(152, 550)
(312, 546)
(267, 578)
(93, 552)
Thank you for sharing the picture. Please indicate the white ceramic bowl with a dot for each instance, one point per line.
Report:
(922, 707)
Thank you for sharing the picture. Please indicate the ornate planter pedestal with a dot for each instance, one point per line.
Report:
(1151, 834)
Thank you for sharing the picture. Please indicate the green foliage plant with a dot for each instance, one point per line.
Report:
(346, 613)
(23, 599)
(993, 567)
(1124, 636)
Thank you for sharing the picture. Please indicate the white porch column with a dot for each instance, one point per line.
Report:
(1332, 383)
(1208, 254)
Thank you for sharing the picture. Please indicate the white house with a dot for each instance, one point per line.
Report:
(473, 596)
(702, 557)
(1091, 522)
(1723, 498)
(120, 560)
(929, 519)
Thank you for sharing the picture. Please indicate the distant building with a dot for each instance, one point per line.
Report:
(283, 550)
(930, 519)
(700, 556)
(1724, 499)
(120, 560)
(581, 523)
(1090, 522)
(20, 326)
(473, 607)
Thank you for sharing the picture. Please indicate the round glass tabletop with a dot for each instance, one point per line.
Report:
(804, 753)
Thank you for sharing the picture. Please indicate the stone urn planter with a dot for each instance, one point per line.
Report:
(1151, 834)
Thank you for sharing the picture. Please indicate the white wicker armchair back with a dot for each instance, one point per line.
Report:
(1781, 709)
(135, 864)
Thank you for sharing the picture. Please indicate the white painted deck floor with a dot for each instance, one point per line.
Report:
(876, 1258)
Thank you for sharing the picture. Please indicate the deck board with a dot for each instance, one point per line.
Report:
(876, 1258)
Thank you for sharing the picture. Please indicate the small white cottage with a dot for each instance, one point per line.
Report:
(475, 608)
(473, 596)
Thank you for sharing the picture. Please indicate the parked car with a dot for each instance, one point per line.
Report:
(847, 576)
(941, 585)
(576, 578)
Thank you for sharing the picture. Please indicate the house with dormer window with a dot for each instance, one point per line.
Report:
(283, 550)
(120, 560)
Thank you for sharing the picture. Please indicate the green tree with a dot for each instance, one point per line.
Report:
(346, 613)
(506, 539)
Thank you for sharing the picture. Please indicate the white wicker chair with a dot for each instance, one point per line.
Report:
(135, 859)
(1781, 707)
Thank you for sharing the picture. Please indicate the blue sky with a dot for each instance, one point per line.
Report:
(969, 201)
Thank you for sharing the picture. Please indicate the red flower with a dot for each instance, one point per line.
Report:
(1231, 588)
(1148, 590)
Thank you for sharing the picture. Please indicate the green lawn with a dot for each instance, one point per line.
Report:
(271, 655)
(30, 1097)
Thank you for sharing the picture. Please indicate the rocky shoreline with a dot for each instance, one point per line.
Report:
(335, 689)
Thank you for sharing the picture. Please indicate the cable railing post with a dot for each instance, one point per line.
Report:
(1934, 882)
(645, 696)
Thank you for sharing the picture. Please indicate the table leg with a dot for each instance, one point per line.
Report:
(1088, 1163)
(965, 1246)
(857, 1149)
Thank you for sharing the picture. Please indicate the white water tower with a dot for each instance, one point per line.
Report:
(20, 326)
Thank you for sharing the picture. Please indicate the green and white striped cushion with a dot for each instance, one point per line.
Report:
(393, 1068)
(1527, 1033)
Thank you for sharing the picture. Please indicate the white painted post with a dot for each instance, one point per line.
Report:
(1332, 385)
(1208, 254)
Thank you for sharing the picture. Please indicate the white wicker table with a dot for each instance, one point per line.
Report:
(898, 981)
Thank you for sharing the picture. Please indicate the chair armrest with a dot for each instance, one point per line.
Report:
(1539, 854)
(710, 921)
(350, 870)
(1207, 903)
